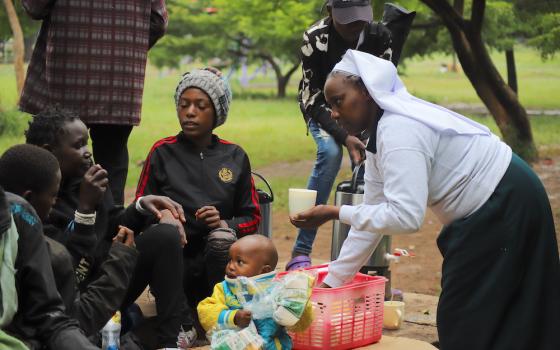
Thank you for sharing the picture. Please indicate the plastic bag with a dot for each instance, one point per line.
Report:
(281, 301)
(291, 296)
(232, 339)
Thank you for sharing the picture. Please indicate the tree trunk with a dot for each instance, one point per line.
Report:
(511, 71)
(454, 67)
(281, 84)
(281, 79)
(499, 98)
(18, 44)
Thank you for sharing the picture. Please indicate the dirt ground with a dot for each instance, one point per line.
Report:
(418, 274)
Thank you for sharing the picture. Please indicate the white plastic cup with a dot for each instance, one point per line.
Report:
(393, 314)
(300, 200)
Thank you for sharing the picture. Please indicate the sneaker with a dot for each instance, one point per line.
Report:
(186, 339)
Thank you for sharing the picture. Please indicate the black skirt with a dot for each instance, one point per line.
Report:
(501, 271)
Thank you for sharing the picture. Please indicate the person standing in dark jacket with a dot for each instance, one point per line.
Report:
(90, 57)
(85, 204)
(348, 26)
(210, 177)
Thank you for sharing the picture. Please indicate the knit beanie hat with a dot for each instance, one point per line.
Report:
(214, 86)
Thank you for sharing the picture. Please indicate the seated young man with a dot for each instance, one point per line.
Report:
(33, 173)
(84, 207)
(33, 309)
(210, 177)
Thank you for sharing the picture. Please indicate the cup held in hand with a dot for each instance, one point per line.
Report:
(299, 200)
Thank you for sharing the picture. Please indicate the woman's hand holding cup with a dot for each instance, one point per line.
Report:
(315, 216)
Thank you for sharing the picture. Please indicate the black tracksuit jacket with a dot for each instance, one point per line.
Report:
(219, 176)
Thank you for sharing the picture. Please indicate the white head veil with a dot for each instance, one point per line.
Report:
(387, 90)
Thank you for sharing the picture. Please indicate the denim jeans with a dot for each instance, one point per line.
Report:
(327, 165)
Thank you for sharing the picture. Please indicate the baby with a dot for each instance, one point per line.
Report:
(255, 257)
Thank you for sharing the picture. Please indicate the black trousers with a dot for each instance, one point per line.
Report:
(204, 264)
(160, 264)
(110, 150)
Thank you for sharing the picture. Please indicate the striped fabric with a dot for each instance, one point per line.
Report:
(90, 57)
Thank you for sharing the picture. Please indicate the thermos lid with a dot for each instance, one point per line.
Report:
(346, 187)
(264, 197)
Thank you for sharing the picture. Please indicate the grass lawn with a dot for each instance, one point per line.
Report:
(273, 131)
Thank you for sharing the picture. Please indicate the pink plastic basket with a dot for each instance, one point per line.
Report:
(346, 317)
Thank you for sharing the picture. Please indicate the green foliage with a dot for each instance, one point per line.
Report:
(231, 32)
(506, 23)
(547, 34)
(501, 25)
(232, 29)
(12, 122)
(537, 23)
(192, 32)
(29, 26)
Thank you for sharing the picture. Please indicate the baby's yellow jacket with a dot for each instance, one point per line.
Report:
(220, 308)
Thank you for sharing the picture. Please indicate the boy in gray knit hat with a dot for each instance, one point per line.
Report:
(213, 85)
(210, 177)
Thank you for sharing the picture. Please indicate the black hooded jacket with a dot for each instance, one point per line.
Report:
(88, 244)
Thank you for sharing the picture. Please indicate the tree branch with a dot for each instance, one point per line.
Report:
(459, 6)
(477, 15)
(292, 69)
(447, 13)
(427, 25)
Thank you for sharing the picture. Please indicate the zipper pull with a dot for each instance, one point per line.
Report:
(201, 155)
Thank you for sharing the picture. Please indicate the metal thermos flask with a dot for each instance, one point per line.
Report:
(352, 193)
(265, 204)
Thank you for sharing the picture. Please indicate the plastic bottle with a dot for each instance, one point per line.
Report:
(111, 333)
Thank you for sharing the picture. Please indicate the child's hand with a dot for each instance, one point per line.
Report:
(210, 216)
(125, 236)
(168, 218)
(92, 189)
(242, 318)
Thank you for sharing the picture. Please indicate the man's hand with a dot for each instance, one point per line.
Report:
(93, 187)
(125, 236)
(356, 149)
(377, 39)
(242, 318)
(168, 218)
(156, 204)
(315, 217)
(210, 216)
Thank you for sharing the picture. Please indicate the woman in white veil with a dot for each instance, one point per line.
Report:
(501, 271)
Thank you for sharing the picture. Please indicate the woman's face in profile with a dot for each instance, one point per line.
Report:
(351, 105)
